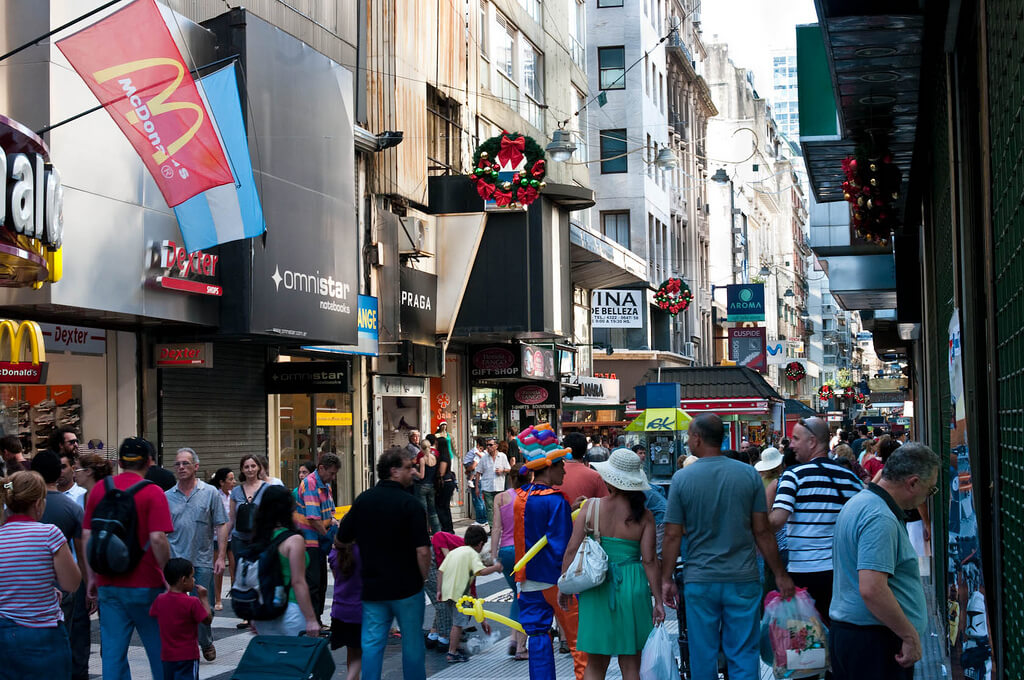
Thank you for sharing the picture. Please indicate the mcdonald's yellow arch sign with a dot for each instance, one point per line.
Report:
(15, 337)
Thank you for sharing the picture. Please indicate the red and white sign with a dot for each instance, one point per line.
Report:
(531, 394)
(23, 373)
(184, 272)
(443, 400)
(74, 339)
(130, 62)
(183, 355)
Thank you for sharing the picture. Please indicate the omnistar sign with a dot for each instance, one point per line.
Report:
(745, 302)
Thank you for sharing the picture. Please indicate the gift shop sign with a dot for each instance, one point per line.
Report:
(496, 361)
(180, 271)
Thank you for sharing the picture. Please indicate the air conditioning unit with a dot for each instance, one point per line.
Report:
(415, 237)
(689, 350)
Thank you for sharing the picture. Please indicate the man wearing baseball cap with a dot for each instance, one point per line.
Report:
(125, 598)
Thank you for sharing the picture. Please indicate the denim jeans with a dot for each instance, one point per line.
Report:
(204, 578)
(123, 610)
(507, 557)
(377, 617)
(427, 496)
(723, 615)
(33, 652)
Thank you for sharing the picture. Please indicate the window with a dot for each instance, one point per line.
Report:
(647, 78)
(581, 127)
(532, 8)
(504, 46)
(609, 3)
(483, 30)
(611, 66)
(578, 32)
(615, 225)
(613, 151)
(530, 60)
(443, 134)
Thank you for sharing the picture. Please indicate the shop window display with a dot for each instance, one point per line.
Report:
(34, 412)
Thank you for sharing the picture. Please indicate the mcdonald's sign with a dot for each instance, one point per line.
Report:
(13, 337)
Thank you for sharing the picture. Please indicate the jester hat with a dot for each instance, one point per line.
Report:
(540, 447)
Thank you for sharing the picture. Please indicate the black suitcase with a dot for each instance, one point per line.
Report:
(286, 658)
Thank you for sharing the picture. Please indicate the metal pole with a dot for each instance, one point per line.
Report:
(59, 29)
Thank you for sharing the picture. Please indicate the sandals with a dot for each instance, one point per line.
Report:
(521, 656)
(457, 657)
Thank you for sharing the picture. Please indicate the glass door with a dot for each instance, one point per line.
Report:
(312, 424)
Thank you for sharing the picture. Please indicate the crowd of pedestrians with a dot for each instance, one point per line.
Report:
(734, 525)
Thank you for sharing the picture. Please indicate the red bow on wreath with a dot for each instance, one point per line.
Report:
(511, 153)
(502, 198)
(538, 168)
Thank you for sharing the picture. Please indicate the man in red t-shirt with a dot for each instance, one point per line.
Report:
(580, 481)
(125, 599)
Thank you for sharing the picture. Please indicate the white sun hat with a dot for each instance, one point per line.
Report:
(771, 458)
(623, 470)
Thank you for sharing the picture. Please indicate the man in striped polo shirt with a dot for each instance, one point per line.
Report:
(809, 498)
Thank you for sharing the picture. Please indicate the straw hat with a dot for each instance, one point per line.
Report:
(771, 458)
(623, 471)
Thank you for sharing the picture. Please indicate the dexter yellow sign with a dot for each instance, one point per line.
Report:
(13, 335)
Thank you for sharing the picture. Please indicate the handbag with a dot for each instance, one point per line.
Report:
(590, 564)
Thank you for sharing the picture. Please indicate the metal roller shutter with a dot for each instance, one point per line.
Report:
(221, 412)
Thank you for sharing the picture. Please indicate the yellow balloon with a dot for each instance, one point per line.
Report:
(531, 553)
(474, 607)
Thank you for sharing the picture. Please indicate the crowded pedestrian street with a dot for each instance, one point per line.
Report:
(540, 339)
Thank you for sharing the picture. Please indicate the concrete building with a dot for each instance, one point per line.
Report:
(649, 170)
(785, 104)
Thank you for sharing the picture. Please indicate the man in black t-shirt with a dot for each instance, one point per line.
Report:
(390, 527)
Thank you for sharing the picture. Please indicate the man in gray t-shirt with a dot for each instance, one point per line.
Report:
(720, 504)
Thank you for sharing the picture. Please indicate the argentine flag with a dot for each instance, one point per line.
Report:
(233, 211)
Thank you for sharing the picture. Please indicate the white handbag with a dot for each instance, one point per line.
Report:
(590, 564)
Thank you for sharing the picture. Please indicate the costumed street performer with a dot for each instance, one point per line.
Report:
(540, 511)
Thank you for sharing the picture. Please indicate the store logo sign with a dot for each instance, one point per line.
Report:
(14, 370)
(315, 284)
(184, 355)
(745, 302)
(531, 394)
(495, 361)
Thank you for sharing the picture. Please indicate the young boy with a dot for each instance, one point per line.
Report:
(178, 614)
(454, 578)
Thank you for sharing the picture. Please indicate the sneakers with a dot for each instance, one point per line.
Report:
(457, 657)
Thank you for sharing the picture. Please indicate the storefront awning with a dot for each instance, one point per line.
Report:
(599, 262)
(660, 420)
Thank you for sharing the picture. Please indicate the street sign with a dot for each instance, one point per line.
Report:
(747, 348)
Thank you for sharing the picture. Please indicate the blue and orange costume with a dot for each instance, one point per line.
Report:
(538, 511)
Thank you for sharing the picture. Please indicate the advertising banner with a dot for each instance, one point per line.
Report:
(747, 348)
(130, 62)
(538, 362)
(745, 302)
(532, 396)
(971, 648)
(777, 353)
(616, 308)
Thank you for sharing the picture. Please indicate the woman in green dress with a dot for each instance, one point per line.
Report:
(616, 617)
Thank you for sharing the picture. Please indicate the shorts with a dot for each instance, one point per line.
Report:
(458, 618)
(181, 670)
(291, 623)
(345, 634)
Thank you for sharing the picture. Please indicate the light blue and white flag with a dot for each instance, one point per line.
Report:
(233, 211)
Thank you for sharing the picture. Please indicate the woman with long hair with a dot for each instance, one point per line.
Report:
(274, 517)
(426, 487)
(224, 481)
(33, 557)
(245, 499)
(446, 485)
(504, 549)
(616, 617)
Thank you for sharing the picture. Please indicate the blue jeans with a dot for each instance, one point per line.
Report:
(723, 615)
(33, 652)
(123, 610)
(204, 578)
(377, 617)
(507, 557)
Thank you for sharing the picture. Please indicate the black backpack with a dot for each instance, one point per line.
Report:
(245, 514)
(259, 592)
(114, 540)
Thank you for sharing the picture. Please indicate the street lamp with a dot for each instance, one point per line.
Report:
(720, 176)
(789, 293)
(666, 160)
(561, 147)
(765, 271)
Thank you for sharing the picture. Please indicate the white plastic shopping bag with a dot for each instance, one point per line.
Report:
(658, 660)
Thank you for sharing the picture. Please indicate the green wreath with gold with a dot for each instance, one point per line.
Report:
(509, 152)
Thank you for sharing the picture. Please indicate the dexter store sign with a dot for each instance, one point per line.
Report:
(184, 355)
(184, 272)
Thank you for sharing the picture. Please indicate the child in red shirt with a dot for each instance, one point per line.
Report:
(178, 614)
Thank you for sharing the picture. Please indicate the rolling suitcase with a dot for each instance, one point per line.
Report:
(286, 658)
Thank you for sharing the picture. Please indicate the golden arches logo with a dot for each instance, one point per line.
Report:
(157, 105)
(18, 333)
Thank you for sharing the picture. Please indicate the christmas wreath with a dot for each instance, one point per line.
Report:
(509, 169)
(849, 392)
(872, 188)
(673, 296)
(795, 371)
(861, 398)
(825, 392)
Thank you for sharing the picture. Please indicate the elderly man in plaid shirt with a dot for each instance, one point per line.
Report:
(314, 516)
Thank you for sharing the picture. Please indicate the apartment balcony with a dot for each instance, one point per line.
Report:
(676, 46)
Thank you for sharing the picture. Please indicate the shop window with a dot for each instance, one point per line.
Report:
(313, 424)
(613, 151)
(611, 66)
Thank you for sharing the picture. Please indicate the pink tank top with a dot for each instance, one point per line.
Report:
(507, 522)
